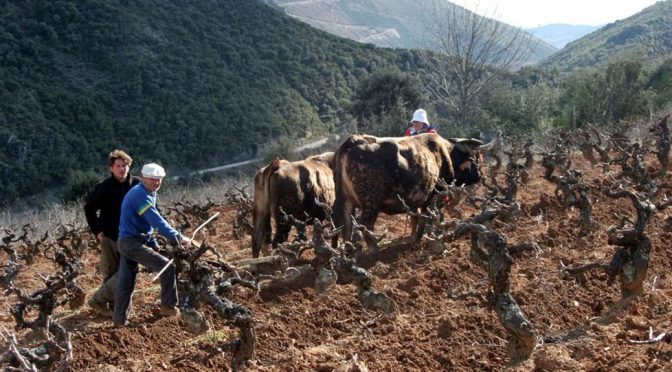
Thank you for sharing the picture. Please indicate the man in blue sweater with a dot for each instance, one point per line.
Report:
(139, 219)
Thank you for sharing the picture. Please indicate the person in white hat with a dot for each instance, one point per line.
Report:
(419, 124)
(139, 219)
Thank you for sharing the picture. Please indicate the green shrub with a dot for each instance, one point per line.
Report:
(282, 148)
(79, 184)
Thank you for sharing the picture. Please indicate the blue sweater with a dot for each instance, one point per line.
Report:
(139, 216)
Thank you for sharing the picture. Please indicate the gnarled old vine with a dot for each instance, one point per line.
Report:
(208, 282)
(630, 262)
(490, 251)
(60, 288)
(327, 266)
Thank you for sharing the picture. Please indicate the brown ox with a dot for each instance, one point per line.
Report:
(371, 172)
(294, 187)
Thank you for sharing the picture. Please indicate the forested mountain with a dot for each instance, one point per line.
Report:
(646, 34)
(560, 34)
(185, 84)
(388, 23)
(198, 84)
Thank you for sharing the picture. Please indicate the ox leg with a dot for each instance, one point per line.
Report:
(417, 229)
(343, 212)
(369, 217)
(414, 225)
(267, 240)
(281, 233)
(348, 212)
(265, 250)
(261, 236)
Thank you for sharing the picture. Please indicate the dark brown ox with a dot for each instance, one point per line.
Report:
(294, 187)
(371, 172)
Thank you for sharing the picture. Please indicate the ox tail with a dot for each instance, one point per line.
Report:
(339, 159)
(261, 213)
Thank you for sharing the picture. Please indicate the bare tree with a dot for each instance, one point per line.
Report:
(476, 51)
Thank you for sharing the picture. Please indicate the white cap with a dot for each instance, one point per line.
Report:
(421, 116)
(152, 170)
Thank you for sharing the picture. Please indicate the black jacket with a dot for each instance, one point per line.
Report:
(103, 205)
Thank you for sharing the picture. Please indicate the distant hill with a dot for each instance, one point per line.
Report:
(186, 84)
(387, 23)
(647, 34)
(560, 34)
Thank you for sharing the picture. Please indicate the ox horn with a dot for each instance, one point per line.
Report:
(488, 146)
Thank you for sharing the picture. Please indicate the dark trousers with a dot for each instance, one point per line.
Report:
(133, 251)
(108, 266)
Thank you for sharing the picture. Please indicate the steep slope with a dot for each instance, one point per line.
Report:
(647, 34)
(388, 23)
(560, 34)
(186, 84)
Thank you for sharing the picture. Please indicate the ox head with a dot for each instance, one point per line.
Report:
(466, 159)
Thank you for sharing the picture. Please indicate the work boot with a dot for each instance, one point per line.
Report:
(100, 307)
(169, 311)
(121, 325)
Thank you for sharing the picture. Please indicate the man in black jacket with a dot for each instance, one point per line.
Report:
(103, 209)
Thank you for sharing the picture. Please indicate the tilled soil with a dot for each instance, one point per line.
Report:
(443, 320)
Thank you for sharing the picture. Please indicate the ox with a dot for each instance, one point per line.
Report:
(371, 172)
(294, 187)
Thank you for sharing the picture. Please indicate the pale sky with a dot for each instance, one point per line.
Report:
(533, 13)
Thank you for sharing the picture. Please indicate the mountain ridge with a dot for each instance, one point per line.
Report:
(394, 24)
(560, 34)
(647, 33)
